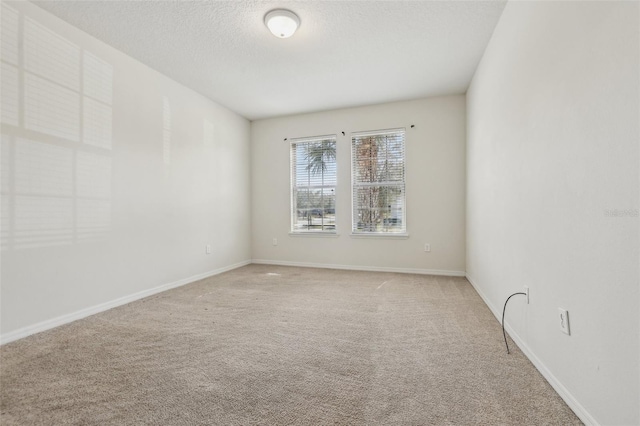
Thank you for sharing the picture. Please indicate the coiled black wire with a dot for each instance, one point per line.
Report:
(504, 334)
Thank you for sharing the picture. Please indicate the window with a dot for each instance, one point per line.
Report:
(378, 182)
(313, 185)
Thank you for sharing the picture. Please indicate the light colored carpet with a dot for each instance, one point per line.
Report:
(281, 345)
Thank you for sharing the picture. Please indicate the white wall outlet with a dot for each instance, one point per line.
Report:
(207, 249)
(275, 242)
(563, 319)
(526, 292)
(427, 247)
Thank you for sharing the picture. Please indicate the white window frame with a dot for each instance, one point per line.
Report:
(292, 188)
(355, 232)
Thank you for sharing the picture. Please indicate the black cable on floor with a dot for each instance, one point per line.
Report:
(504, 334)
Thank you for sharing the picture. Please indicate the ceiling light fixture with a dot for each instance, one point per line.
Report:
(282, 23)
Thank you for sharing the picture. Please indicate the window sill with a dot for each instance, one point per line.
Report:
(382, 235)
(314, 234)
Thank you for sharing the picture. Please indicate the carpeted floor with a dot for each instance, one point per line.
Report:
(282, 345)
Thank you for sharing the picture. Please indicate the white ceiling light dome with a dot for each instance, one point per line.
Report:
(282, 23)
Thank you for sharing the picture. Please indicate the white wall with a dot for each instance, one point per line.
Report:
(434, 185)
(114, 177)
(552, 149)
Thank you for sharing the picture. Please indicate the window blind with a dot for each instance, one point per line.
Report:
(378, 179)
(313, 184)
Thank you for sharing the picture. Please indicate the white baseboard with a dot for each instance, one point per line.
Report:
(564, 393)
(362, 268)
(83, 313)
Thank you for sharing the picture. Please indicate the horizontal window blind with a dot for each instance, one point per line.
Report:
(313, 184)
(378, 179)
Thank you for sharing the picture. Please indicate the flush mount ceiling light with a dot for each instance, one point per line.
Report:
(282, 23)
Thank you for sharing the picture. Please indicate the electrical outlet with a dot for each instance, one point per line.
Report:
(427, 247)
(563, 318)
(526, 292)
(275, 242)
(207, 249)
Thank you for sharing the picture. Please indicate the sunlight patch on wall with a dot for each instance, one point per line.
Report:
(9, 56)
(51, 56)
(96, 123)
(43, 169)
(42, 221)
(97, 78)
(97, 111)
(51, 109)
(10, 96)
(5, 165)
(56, 161)
(9, 34)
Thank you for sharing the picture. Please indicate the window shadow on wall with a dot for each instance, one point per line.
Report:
(56, 158)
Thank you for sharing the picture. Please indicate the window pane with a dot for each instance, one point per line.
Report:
(313, 184)
(315, 210)
(379, 209)
(378, 187)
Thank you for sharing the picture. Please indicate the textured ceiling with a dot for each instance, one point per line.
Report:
(346, 53)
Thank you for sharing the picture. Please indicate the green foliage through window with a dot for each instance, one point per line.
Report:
(313, 184)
